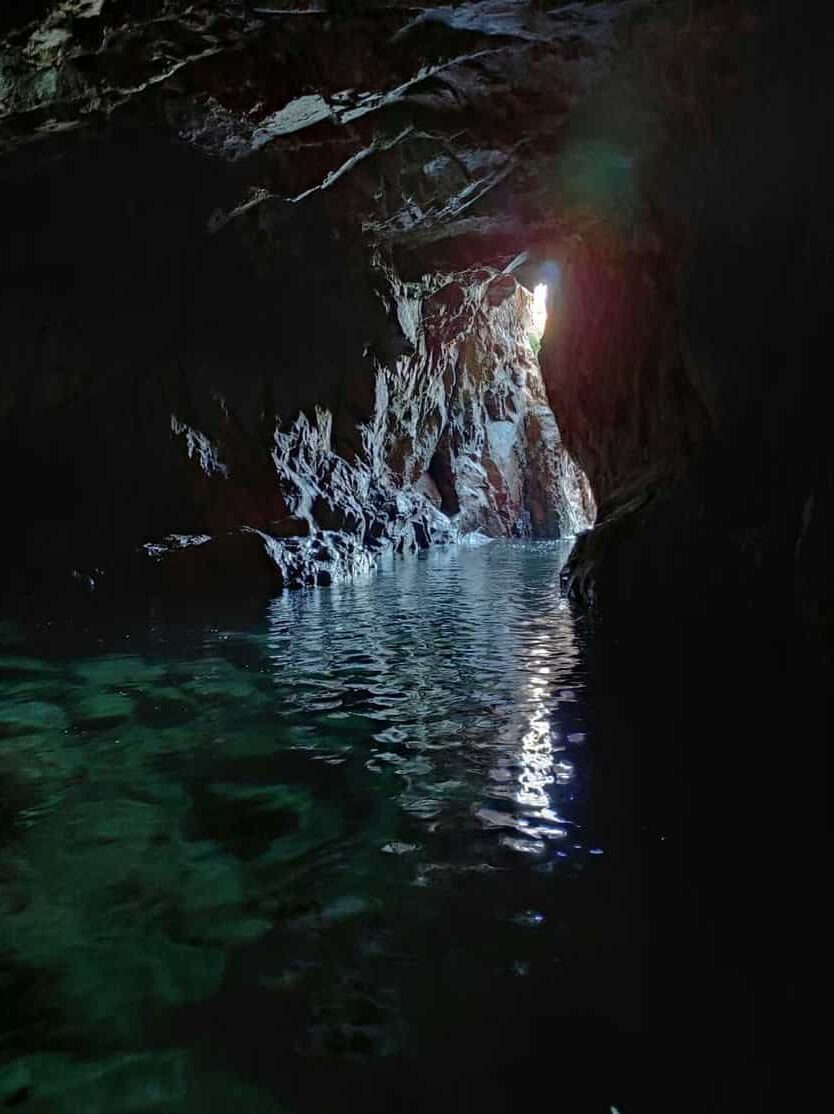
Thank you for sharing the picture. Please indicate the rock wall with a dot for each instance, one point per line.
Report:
(249, 162)
(264, 402)
(483, 441)
(191, 182)
(460, 438)
(679, 352)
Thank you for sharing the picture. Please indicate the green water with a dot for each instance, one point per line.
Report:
(332, 854)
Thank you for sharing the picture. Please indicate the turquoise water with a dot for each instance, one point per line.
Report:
(331, 853)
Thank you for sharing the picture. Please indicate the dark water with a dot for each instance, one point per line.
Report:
(339, 855)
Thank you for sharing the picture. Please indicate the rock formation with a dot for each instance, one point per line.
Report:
(192, 181)
(242, 332)
(261, 320)
(262, 400)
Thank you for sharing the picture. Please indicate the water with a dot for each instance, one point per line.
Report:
(335, 856)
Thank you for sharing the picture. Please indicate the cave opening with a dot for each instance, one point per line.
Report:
(539, 310)
(415, 595)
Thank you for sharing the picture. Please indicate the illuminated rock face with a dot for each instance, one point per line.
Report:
(458, 438)
(264, 303)
(484, 434)
(242, 329)
(260, 406)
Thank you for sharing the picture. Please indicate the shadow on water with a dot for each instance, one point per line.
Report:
(357, 852)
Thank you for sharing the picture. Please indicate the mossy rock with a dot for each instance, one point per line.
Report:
(247, 818)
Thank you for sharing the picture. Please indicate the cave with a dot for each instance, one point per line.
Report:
(416, 589)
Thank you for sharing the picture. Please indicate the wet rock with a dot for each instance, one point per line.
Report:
(480, 438)
(216, 564)
(426, 485)
(109, 903)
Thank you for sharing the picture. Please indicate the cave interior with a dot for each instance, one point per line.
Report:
(271, 315)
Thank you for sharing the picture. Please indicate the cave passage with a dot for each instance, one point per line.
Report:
(416, 581)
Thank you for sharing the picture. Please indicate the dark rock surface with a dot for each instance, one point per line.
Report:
(680, 357)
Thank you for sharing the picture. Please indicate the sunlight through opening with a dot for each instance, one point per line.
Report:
(540, 309)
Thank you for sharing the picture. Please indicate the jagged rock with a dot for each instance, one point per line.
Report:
(427, 486)
(460, 428)
(254, 562)
(249, 453)
(460, 438)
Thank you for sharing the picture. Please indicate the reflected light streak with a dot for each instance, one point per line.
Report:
(539, 768)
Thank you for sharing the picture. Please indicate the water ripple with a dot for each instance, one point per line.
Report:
(464, 661)
(344, 818)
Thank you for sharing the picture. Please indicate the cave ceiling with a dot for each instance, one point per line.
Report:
(447, 135)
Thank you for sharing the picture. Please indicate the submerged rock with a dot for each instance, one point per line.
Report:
(173, 1082)
(23, 717)
(104, 709)
(116, 670)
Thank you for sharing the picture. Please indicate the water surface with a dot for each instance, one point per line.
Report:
(336, 855)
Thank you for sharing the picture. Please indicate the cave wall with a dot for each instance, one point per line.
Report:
(190, 182)
(362, 161)
(477, 430)
(390, 164)
(686, 361)
(680, 349)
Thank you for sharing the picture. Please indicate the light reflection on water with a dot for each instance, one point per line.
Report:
(333, 824)
(465, 661)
